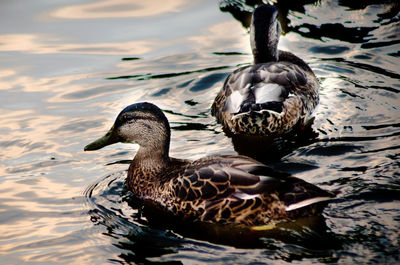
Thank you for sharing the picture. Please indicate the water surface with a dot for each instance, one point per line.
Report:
(68, 67)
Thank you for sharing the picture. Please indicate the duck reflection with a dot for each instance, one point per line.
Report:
(272, 148)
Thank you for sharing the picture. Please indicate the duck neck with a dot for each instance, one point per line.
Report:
(144, 171)
(153, 153)
(151, 160)
(264, 38)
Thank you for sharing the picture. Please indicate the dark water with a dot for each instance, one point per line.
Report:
(68, 67)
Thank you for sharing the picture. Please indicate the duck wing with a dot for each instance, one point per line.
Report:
(262, 87)
(230, 188)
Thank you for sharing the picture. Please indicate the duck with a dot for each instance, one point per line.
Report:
(224, 189)
(274, 95)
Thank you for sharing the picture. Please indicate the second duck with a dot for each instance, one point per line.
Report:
(272, 96)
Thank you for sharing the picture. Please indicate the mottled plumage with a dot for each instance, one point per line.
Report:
(272, 96)
(220, 188)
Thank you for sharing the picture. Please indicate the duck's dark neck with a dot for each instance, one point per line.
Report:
(145, 170)
(264, 36)
(151, 160)
(153, 153)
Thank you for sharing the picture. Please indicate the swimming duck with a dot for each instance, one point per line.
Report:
(271, 96)
(219, 188)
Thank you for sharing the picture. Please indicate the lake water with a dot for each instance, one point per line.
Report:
(67, 68)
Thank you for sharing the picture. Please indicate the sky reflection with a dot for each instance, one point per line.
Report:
(119, 8)
(40, 44)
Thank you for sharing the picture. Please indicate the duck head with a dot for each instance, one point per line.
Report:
(265, 31)
(141, 123)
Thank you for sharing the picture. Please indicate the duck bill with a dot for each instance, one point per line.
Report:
(107, 139)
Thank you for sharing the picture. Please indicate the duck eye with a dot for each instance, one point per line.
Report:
(123, 119)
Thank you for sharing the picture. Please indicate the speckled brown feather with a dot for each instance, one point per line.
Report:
(227, 189)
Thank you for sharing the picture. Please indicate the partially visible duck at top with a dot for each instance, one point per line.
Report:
(272, 96)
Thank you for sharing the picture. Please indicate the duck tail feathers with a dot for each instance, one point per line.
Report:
(307, 202)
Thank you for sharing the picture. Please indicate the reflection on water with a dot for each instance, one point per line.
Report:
(35, 44)
(66, 70)
(120, 8)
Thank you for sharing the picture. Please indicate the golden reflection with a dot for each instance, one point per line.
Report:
(30, 84)
(44, 188)
(119, 9)
(39, 44)
(45, 205)
(41, 136)
(5, 73)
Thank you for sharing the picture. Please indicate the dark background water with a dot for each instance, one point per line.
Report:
(68, 67)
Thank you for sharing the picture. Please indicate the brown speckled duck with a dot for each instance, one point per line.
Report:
(220, 188)
(272, 96)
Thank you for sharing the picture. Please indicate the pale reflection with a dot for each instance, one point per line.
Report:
(5, 82)
(31, 84)
(225, 35)
(39, 138)
(119, 9)
(6, 73)
(39, 44)
(48, 218)
(45, 188)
